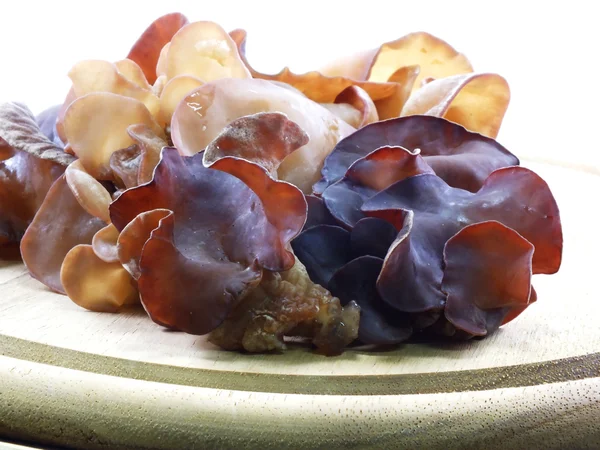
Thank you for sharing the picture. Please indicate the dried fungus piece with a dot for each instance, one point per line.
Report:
(477, 101)
(94, 284)
(146, 51)
(288, 304)
(24, 150)
(59, 225)
(205, 112)
(206, 247)
(315, 85)
(435, 58)
(96, 126)
(206, 51)
(461, 158)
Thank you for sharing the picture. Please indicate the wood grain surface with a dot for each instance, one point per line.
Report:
(70, 377)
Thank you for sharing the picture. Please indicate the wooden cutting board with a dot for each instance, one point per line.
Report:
(69, 377)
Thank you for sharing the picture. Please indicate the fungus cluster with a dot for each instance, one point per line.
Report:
(363, 202)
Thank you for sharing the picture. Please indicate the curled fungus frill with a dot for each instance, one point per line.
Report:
(431, 239)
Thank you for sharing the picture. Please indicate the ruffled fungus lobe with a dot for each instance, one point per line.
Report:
(476, 101)
(423, 203)
(146, 51)
(133, 237)
(134, 73)
(96, 126)
(94, 284)
(358, 99)
(323, 249)
(59, 225)
(264, 138)
(367, 176)
(125, 166)
(135, 165)
(24, 150)
(487, 270)
(348, 264)
(379, 323)
(461, 158)
(102, 76)
(204, 50)
(316, 86)
(104, 244)
(435, 58)
(388, 98)
(317, 213)
(174, 91)
(404, 80)
(203, 114)
(206, 246)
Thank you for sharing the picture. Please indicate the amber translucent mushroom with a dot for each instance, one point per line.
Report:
(315, 85)
(134, 236)
(96, 126)
(204, 50)
(146, 51)
(91, 195)
(435, 58)
(206, 111)
(104, 244)
(95, 284)
(476, 101)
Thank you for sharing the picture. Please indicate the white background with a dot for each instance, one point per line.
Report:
(548, 51)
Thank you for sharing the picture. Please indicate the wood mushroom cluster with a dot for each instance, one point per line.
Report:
(362, 202)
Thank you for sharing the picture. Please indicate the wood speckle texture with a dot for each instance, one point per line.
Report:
(69, 377)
